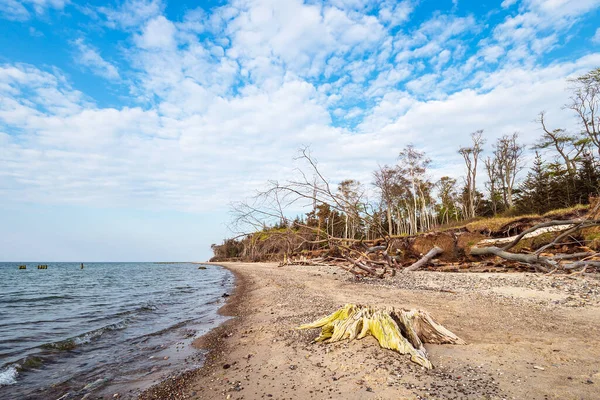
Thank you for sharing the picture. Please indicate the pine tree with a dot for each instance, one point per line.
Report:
(534, 192)
(588, 179)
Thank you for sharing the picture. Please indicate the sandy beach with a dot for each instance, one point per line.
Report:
(528, 337)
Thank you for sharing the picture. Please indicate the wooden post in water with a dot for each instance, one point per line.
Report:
(22, 266)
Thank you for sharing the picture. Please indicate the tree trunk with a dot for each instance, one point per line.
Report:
(424, 260)
(389, 217)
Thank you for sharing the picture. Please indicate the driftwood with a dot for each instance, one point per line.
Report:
(528, 234)
(563, 252)
(361, 265)
(541, 261)
(403, 331)
(424, 260)
(547, 226)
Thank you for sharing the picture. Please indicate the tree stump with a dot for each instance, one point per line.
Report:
(404, 331)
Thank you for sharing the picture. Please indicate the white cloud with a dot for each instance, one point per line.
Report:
(131, 13)
(508, 3)
(158, 33)
(90, 155)
(13, 9)
(596, 37)
(533, 31)
(89, 57)
(299, 36)
(34, 32)
(388, 79)
(442, 32)
(223, 99)
(491, 54)
(561, 8)
(395, 13)
(22, 10)
(71, 151)
(423, 85)
(441, 59)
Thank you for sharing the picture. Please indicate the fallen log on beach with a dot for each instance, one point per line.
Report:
(547, 247)
(424, 260)
(545, 262)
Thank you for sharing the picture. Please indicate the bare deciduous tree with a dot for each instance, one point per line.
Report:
(352, 193)
(508, 156)
(385, 181)
(493, 182)
(272, 206)
(448, 200)
(471, 157)
(568, 147)
(413, 166)
(585, 102)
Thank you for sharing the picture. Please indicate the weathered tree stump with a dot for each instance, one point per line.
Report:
(403, 331)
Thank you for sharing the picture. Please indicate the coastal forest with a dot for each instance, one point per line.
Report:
(538, 202)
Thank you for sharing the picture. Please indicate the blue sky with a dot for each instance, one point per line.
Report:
(126, 128)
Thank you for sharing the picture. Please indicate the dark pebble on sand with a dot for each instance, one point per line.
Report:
(226, 366)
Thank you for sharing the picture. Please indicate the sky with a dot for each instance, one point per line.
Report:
(127, 128)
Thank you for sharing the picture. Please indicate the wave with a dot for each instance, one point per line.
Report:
(89, 336)
(8, 375)
(71, 343)
(150, 307)
(172, 327)
(127, 316)
(37, 299)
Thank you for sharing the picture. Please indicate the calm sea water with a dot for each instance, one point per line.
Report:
(105, 329)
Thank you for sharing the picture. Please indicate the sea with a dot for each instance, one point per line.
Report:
(68, 332)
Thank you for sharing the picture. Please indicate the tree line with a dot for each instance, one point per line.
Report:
(565, 172)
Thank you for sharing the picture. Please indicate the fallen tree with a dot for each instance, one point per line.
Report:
(404, 331)
(365, 248)
(557, 226)
(423, 261)
(547, 262)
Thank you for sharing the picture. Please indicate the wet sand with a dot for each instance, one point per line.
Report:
(529, 336)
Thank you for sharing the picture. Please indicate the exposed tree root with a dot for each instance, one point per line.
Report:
(564, 253)
(548, 263)
(403, 331)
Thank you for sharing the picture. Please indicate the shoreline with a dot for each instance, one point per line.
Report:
(211, 343)
(528, 336)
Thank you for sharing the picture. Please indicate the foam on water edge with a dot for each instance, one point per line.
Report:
(8, 376)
